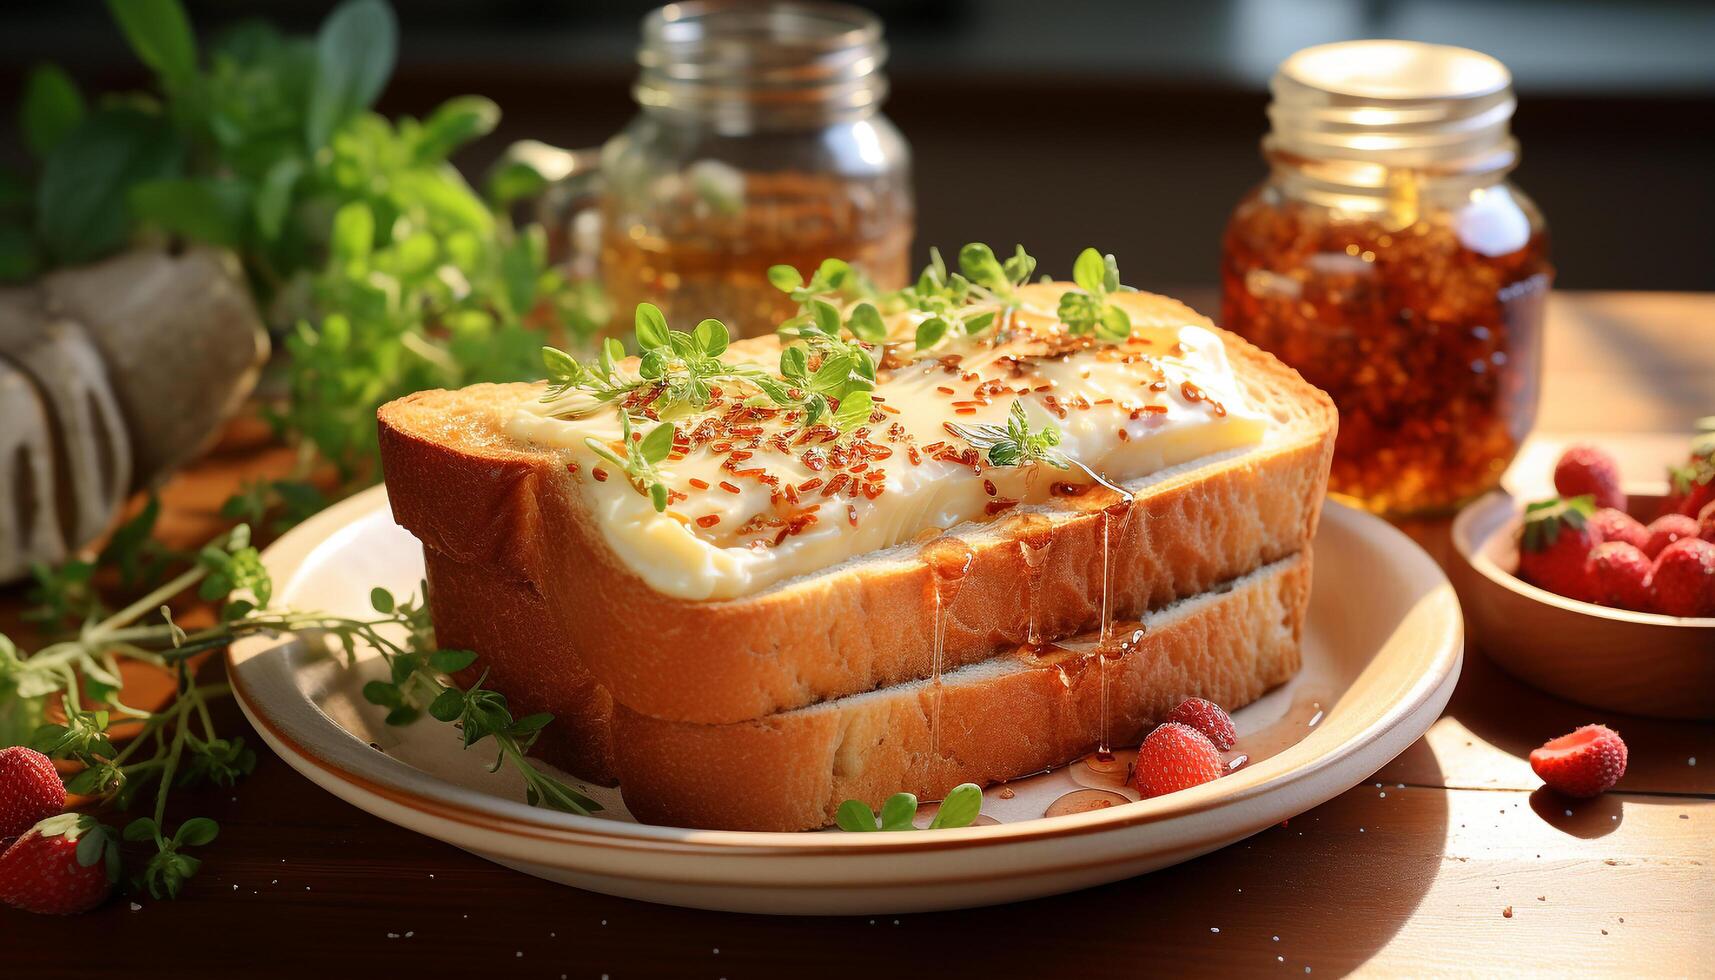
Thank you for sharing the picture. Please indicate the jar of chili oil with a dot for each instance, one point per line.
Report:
(1388, 259)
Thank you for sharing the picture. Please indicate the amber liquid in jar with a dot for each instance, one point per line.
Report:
(1428, 344)
(709, 257)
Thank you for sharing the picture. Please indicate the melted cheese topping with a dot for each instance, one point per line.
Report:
(757, 500)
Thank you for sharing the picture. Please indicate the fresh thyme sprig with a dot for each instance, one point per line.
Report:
(1016, 444)
(1086, 310)
(960, 809)
(969, 299)
(638, 457)
(178, 745)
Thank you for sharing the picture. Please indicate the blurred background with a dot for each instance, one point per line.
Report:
(1059, 124)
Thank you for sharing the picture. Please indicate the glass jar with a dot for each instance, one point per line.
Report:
(1390, 261)
(760, 141)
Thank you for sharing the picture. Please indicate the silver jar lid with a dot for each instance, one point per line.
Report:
(1394, 104)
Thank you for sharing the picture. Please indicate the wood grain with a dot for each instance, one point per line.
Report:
(1413, 882)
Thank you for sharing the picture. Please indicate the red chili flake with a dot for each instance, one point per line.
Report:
(699, 484)
(996, 506)
(571, 468)
(637, 437)
(810, 484)
(835, 485)
(741, 455)
(879, 452)
(1104, 401)
(934, 447)
(755, 471)
(1158, 386)
(708, 520)
(721, 447)
(599, 474)
(875, 476)
(730, 488)
(970, 411)
(791, 493)
(988, 488)
(874, 490)
(1124, 436)
(912, 454)
(1049, 386)
(943, 389)
(859, 468)
(677, 496)
(851, 514)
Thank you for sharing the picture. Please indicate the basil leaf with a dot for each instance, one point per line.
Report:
(160, 33)
(80, 203)
(854, 815)
(961, 806)
(897, 812)
(1089, 272)
(52, 108)
(355, 51)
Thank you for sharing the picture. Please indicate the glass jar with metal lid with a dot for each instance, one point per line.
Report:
(760, 141)
(1388, 259)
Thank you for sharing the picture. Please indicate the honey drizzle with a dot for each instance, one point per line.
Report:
(948, 560)
(1104, 750)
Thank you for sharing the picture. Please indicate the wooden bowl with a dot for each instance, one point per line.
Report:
(1636, 662)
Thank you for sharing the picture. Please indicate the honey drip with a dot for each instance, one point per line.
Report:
(1115, 517)
(949, 561)
(1034, 532)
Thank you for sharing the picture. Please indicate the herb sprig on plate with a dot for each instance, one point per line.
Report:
(960, 809)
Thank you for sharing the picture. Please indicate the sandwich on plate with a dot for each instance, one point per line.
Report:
(961, 532)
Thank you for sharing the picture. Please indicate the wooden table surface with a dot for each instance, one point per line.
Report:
(1409, 873)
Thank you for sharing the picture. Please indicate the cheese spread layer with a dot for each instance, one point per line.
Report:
(756, 498)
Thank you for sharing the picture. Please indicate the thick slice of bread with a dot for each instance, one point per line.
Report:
(1008, 716)
(507, 522)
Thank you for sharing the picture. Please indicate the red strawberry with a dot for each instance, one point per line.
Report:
(1586, 762)
(1684, 578)
(1174, 757)
(1617, 525)
(61, 866)
(1208, 718)
(1691, 487)
(30, 790)
(1706, 522)
(1667, 529)
(1619, 576)
(1555, 540)
(1586, 470)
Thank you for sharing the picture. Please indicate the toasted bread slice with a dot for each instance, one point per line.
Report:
(510, 515)
(1008, 716)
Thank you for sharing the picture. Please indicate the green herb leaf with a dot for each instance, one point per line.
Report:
(196, 832)
(456, 122)
(86, 178)
(381, 600)
(785, 278)
(854, 411)
(897, 812)
(160, 33)
(712, 337)
(651, 327)
(355, 51)
(1089, 272)
(960, 808)
(52, 108)
(855, 816)
(204, 209)
(930, 332)
(451, 661)
(866, 324)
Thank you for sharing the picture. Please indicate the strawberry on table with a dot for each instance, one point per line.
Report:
(1556, 539)
(1583, 763)
(1174, 757)
(1692, 487)
(30, 790)
(1683, 580)
(61, 866)
(1617, 525)
(1706, 522)
(1667, 529)
(1619, 576)
(1208, 718)
(1588, 471)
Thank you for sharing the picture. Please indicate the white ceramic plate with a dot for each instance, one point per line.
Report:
(1382, 652)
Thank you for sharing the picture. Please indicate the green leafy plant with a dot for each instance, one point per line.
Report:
(385, 271)
(1017, 444)
(960, 809)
